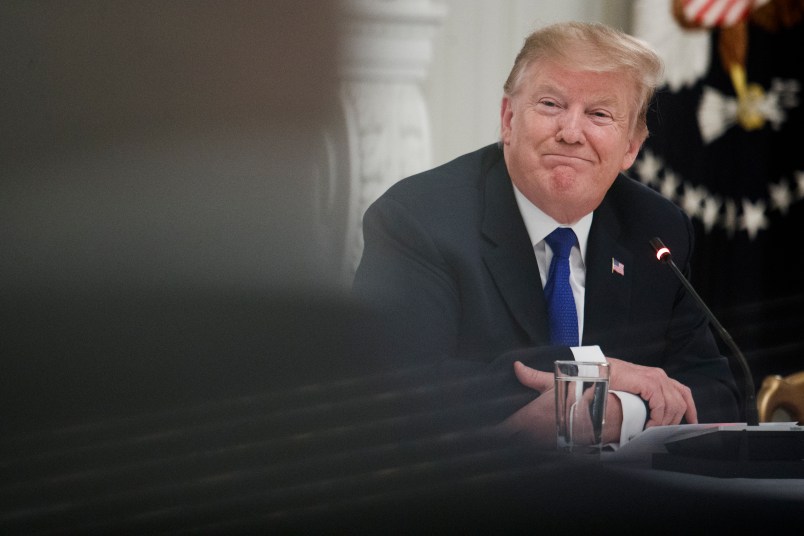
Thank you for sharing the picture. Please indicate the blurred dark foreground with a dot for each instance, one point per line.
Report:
(151, 412)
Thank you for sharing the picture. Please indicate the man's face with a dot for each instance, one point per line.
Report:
(566, 135)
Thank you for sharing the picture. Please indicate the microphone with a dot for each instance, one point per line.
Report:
(753, 451)
(663, 254)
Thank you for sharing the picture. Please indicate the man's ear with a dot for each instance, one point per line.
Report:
(634, 145)
(506, 114)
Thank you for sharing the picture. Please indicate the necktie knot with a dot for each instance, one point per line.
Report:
(561, 241)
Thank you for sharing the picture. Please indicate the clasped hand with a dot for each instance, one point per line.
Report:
(668, 401)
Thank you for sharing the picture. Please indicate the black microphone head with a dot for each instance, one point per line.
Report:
(662, 251)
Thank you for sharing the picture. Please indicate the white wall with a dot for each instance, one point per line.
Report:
(473, 53)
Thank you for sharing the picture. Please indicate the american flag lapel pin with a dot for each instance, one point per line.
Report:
(617, 267)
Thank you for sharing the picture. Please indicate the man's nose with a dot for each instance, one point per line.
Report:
(570, 127)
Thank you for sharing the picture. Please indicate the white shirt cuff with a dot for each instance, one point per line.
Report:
(592, 354)
(634, 415)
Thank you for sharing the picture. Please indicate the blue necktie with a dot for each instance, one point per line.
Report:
(560, 303)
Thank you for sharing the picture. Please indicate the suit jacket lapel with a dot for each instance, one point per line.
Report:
(608, 292)
(508, 254)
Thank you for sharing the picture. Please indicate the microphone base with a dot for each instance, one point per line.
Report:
(749, 452)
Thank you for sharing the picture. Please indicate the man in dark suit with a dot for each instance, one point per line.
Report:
(456, 259)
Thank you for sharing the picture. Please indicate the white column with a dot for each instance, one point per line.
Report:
(386, 54)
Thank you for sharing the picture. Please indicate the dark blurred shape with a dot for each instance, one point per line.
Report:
(95, 72)
(171, 307)
(165, 142)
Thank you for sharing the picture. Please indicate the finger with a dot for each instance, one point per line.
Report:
(668, 404)
(674, 405)
(674, 414)
(692, 412)
(657, 411)
(535, 379)
(656, 405)
(677, 401)
(680, 404)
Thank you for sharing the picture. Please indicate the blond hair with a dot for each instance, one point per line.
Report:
(593, 47)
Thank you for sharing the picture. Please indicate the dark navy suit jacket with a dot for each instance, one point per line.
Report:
(449, 265)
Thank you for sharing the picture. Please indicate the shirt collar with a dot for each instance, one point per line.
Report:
(539, 224)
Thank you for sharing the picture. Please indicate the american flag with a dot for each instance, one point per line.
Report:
(712, 13)
(617, 267)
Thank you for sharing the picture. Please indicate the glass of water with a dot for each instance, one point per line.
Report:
(581, 389)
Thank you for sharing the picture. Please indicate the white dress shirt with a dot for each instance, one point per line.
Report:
(539, 225)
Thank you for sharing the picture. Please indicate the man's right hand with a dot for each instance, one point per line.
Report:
(536, 421)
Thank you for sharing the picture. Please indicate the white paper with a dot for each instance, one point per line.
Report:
(652, 440)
